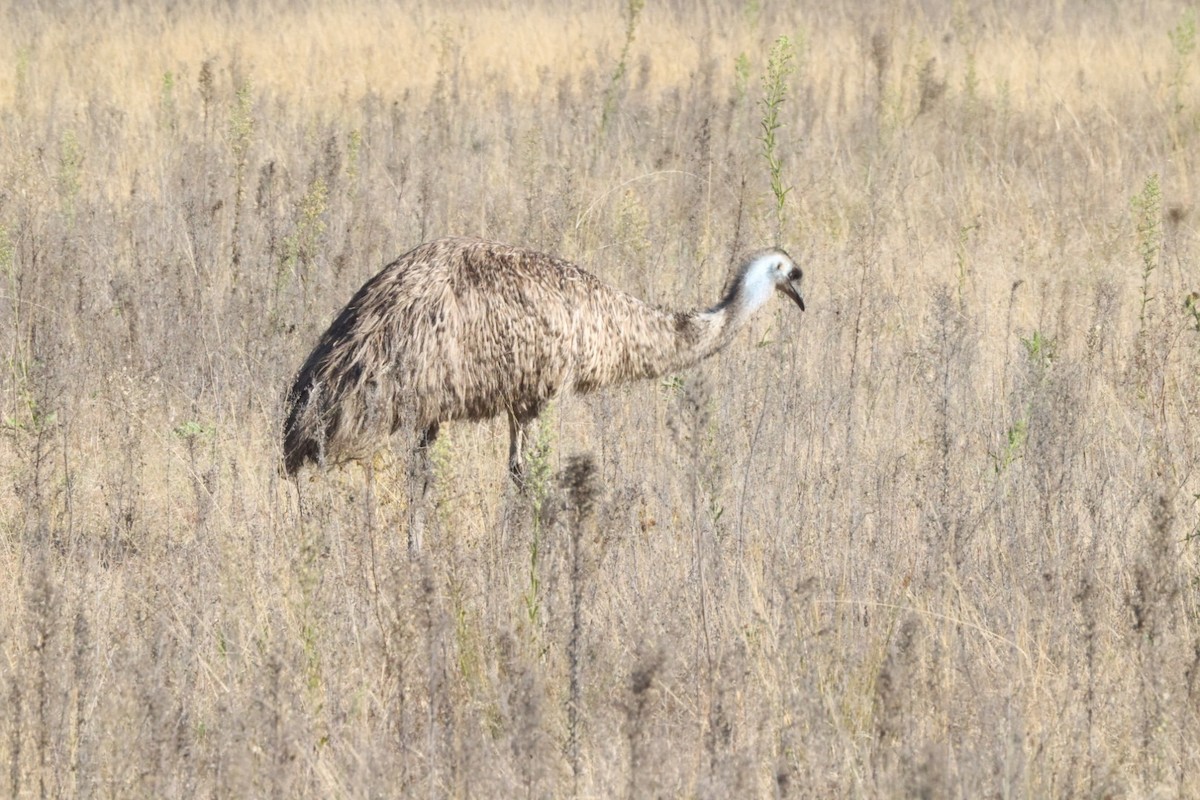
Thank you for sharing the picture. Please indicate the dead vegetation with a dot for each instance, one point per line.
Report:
(936, 538)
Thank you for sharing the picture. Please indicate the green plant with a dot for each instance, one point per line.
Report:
(241, 134)
(30, 414)
(194, 434)
(1040, 350)
(780, 66)
(962, 258)
(8, 261)
(207, 85)
(353, 154)
(443, 456)
(12, 280)
(70, 168)
(192, 430)
(964, 30)
(1147, 220)
(168, 113)
(1040, 353)
(1193, 535)
(971, 88)
(21, 83)
(741, 77)
(307, 609)
(633, 232)
(672, 383)
(1191, 304)
(752, 11)
(35, 418)
(1183, 44)
(300, 247)
(537, 489)
(633, 9)
(1014, 443)
(30, 410)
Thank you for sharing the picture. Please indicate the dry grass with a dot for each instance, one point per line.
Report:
(936, 537)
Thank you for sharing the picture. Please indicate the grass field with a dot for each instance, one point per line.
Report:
(939, 536)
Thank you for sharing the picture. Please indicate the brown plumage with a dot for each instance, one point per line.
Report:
(461, 329)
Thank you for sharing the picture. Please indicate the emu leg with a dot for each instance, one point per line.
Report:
(520, 431)
(420, 481)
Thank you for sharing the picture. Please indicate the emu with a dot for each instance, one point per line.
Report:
(463, 329)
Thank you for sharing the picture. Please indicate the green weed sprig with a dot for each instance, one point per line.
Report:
(168, 107)
(70, 172)
(1183, 44)
(301, 246)
(1147, 220)
(538, 484)
(633, 9)
(1191, 305)
(241, 133)
(741, 77)
(780, 65)
(1040, 354)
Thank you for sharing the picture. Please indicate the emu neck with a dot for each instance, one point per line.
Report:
(703, 333)
(751, 289)
(711, 330)
(636, 340)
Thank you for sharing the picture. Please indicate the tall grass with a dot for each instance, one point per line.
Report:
(934, 537)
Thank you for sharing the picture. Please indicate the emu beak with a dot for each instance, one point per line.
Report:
(793, 291)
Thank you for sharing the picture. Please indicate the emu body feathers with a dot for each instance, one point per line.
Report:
(462, 329)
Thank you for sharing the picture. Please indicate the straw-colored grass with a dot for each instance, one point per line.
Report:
(935, 537)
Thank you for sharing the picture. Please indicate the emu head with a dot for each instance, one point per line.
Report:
(771, 269)
(788, 277)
